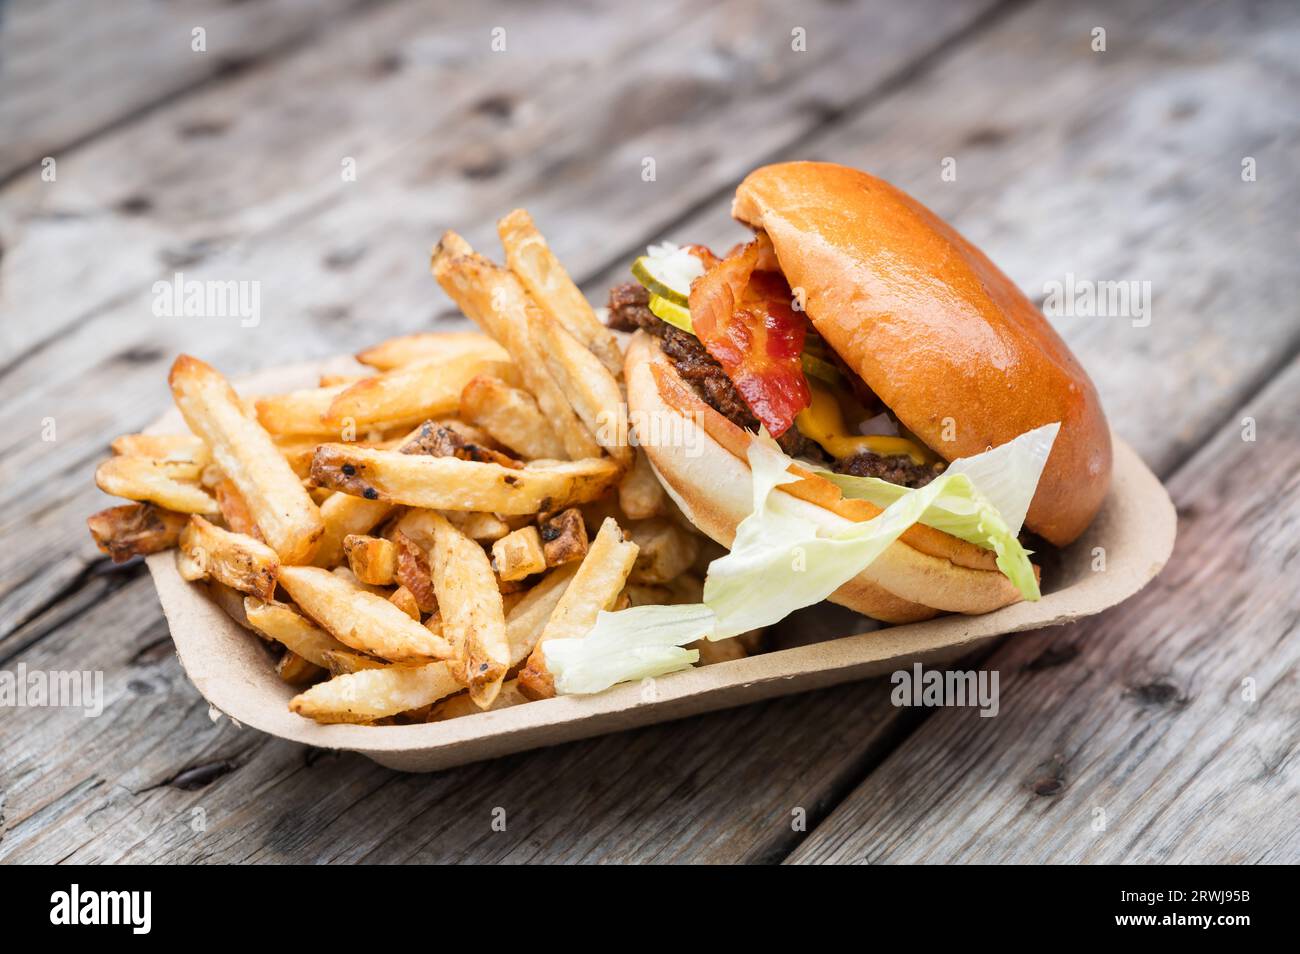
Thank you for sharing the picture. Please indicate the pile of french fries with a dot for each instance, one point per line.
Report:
(407, 539)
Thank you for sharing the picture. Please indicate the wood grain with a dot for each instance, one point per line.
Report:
(1165, 731)
(438, 124)
(73, 69)
(409, 93)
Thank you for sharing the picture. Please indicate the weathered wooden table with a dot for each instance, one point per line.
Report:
(1164, 730)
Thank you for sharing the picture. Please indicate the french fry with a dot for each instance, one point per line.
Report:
(208, 552)
(528, 617)
(232, 602)
(433, 439)
(370, 694)
(358, 618)
(468, 432)
(596, 586)
(298, 412)
(164, 448)
(431, 345)
(417, 525)
(519, 554)
(345, 515)
(137, 478)
(439, 440)
(372, 559)
(473, 618)
(297, 452)
(461, 704)
(667, 551)
(234, 510)
(541, 273)
(297, 671)
(340, 661)
(279, 505)
(591, 390)
(564, 537)
(495, 300)
(211, 476)
(287, 626)
(640, 495)
(511, 416)
(330, 379)
(411, 393)
(449, 483)
(405, 601)
(404, 687)
(135, 529)
(482, 527)
(413, 573)
(345, 573)
(179, 470)
(180, 456)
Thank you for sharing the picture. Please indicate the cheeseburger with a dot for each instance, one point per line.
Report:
(870, 340)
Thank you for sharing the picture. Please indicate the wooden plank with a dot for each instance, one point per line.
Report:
(452, 159)
(1164, 732)
(72, 69)
(135, 372)
(406, 95)
(351, 265)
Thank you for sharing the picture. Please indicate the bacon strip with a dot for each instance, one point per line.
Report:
(743, 315)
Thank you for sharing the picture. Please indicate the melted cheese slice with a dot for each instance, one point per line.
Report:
(823, 422)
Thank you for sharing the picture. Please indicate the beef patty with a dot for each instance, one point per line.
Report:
(629, 309)
(897, 470)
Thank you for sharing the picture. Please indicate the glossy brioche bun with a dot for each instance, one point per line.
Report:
(933, 327)
(708, 477)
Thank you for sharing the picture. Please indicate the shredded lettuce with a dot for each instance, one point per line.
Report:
(1008, 475)
(987, 508)
(781, 561)
(631, 644)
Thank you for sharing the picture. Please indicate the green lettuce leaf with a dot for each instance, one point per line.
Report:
(987, 508)
(781, 561)
(631, 644)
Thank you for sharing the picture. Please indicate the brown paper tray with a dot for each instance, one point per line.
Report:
(231, 669)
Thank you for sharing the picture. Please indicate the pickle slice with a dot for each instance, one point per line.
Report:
(821, 369)
(679, 316)
(667, 271)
